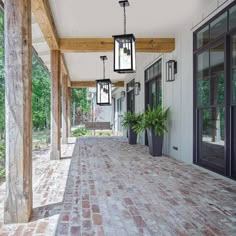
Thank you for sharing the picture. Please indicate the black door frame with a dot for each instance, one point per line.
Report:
(229, 142)
(232, 148)
(147, 88)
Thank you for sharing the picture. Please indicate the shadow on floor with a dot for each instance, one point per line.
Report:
(46, 211)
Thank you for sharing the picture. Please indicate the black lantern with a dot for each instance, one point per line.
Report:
(124, 48)
(136, 88)
(171, 70)
(103, 89)
(122, 95)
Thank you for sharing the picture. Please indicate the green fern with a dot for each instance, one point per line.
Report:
(155, 119)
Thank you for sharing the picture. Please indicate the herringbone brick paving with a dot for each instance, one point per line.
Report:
(114, 188)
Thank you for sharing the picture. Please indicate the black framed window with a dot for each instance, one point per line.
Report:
(233, 104)
(130, 96)
(153, 84)
(153, 87)
(215, 93)
(232, 17)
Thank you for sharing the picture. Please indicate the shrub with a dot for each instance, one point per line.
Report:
(79, 132)
(2, 161)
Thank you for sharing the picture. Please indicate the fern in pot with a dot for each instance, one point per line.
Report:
(129, 121)
(154, 122)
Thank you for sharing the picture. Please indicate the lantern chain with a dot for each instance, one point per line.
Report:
(124, 19)
(104, 70)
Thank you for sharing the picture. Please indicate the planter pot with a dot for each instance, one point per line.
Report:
(132, 136)
(155, 143)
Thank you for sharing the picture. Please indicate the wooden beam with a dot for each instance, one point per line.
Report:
(159, 45)
(65, 70)
(42, 13)
(55, 105)
(90, 84)
(43, 16)
(18, 87)
(119, 84)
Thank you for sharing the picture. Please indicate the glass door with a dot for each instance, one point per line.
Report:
(119, 115)
(131, 101)
(211, 107)
(233, 106)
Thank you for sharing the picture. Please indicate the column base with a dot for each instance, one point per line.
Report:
(55, 155)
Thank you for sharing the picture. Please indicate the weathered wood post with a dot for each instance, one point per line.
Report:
(18, 76)
(55, 105)
(64, 110)
(68, 111)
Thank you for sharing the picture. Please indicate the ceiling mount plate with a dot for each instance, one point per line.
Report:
(103, 58)
(124, 3)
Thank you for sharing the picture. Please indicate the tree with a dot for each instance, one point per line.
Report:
(2, 80)
(79, 103)
(41, 85)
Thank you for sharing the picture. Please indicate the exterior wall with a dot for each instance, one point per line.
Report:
(177, 95)
(102, 113)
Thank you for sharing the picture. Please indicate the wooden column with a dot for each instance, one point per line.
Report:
(64, 110)
(18, 85)
(55, 105)
(68, 111)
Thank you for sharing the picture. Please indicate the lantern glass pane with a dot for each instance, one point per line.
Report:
(124, 53)
(171, 71)
(117, 57)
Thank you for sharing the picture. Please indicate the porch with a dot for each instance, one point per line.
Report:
(104, 186)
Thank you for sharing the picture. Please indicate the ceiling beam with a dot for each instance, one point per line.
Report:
(42, 13)
(90, 84)
(43, 16)
(159, 45)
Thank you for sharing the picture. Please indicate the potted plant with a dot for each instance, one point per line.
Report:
(154, 122)
(129, 121)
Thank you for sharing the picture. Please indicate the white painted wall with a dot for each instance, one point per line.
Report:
(177, 95)
(102, 113)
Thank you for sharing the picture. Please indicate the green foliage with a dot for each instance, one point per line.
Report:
(104, 134)
(2, 161)
(41, 87)
(130, 119)
(2, 80)
(79, 104)
(79, 132)
(79, 97)
(155, 119)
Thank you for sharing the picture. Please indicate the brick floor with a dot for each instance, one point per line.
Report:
(114, 188)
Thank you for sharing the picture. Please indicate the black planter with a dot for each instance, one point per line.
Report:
(132, 136)
(155, 143)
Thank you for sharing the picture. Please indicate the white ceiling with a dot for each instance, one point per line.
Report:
(88, 66)
(104, 18)
(40, 45)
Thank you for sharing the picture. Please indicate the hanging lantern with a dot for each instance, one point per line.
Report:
(103, 88)
(124, 48)
(122, 95)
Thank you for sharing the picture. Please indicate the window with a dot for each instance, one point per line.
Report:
(232, 17)
(218, 26)
(153, 86)
(215, 93)
(130, 96)
(203, 37)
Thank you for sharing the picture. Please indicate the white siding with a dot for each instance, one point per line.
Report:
(177, 95)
